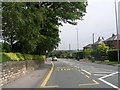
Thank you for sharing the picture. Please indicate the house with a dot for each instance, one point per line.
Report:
(88, 46)
(112, 41)
(98, 42)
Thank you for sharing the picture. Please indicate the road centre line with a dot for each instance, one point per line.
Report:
(48, 77)
(86, 71)
(108, 83)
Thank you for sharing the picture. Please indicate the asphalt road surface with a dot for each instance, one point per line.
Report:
(68, 73)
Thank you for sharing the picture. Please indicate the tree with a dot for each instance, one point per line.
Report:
(101, 51)
(32, 27)
(88, 52)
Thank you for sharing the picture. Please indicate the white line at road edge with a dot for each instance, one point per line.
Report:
(101, 79)
(86, 71)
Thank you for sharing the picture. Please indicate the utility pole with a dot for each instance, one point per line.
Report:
(116, 18)
(77, 40)
(69, 47)
(93, 39)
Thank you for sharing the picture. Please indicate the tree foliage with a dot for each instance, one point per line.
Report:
(88, 52)
(101, 52)
(32, 27)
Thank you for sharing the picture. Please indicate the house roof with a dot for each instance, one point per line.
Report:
(88, 46)
(100, 41)
(114, 37)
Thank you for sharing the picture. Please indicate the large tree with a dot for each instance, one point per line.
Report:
(33, 26)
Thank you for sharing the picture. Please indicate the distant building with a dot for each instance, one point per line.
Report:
(112, 42)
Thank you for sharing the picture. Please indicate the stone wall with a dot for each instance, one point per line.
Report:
(12, 70)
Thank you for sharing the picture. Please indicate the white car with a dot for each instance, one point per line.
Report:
(54, 58)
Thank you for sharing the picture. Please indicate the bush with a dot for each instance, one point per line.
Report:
(80, 55)
(12, 56)
(4, 57)
(19, 57)
(28, 56)
(112, 55)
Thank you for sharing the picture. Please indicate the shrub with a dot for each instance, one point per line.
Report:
(18, 57)
(4, 57)
(42, 57)
(28, 56)
(112, 55)
(12, 56)
(80, 55)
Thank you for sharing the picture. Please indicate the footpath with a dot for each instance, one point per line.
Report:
(31, 80)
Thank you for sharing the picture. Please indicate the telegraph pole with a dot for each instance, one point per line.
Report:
(116, 18)
(77, 40)
(93, 40)
(69, 47)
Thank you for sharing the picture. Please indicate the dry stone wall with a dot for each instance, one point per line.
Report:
(12, 70)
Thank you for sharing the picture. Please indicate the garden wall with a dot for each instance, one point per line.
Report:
(12, 70)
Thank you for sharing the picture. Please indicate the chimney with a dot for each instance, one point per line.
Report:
(102, 38)
(99, 39)
(113, 35)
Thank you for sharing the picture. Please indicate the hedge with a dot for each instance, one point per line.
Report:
(19, 57)
(80, 54)
(112, 55)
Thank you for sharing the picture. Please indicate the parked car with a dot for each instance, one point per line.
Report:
(54, 58)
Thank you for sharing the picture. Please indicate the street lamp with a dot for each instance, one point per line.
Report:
(116, 18)
(77, 39)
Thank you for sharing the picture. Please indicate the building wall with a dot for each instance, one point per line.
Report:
(115, 45)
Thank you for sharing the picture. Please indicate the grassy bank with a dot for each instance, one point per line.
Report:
(109, 62)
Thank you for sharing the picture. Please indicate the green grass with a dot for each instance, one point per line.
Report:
(109, 62)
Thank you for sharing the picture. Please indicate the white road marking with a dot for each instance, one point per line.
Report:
(103, 72)
(86, 71)
(101, 79)
(99, 74)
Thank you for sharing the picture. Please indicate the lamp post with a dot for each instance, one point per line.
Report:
(77, 39)
(116, 18)
(78, 57)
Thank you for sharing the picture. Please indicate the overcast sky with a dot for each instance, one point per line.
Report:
(99, 19)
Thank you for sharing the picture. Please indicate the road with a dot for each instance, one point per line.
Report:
(68, 73)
